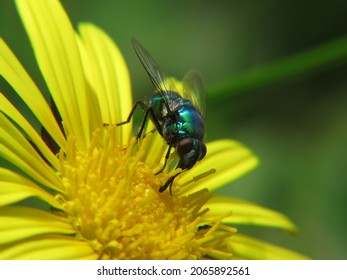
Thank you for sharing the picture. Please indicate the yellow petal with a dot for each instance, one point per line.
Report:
(48, 248)
(17, 150)
(243, 212)
(18, 78)
(12, 112)
(108, 75)
(244, 247)
(14, 188)
(54, 43)
(18, 223)
(229, 158)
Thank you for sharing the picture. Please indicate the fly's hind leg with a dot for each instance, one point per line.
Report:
(143, 106)
(148, 113)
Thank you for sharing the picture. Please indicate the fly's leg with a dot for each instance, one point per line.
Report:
(169, 183)
(143, 106)
(166, 158)
(148, 113)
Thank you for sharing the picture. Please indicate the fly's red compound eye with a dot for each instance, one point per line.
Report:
(185, 146)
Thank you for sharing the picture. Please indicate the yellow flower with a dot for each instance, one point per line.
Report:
(99, 191)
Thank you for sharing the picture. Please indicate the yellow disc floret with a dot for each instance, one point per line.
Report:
(112, 199)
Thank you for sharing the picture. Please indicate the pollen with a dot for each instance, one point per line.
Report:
(111, 198)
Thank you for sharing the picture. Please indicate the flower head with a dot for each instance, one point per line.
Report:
(98, 182)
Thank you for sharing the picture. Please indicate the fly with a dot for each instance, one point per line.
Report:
(178, 115)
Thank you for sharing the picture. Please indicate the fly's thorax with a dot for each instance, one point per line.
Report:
(184, 123)
(191, 122)
(164, 103)
(178, 117)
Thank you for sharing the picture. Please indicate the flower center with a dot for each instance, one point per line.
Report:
(112, 199)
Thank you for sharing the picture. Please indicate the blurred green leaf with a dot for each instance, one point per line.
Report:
(299, 64)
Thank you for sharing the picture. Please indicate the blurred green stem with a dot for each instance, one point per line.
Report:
(302, 63)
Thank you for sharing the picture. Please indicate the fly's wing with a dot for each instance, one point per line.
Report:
(194, 90)
(161, 83)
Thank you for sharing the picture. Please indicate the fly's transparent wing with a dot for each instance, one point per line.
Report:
(161, 83)
(194, 90)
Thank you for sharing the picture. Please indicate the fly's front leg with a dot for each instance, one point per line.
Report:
(169, 183)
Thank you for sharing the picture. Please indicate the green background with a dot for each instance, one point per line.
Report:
(275, 74)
